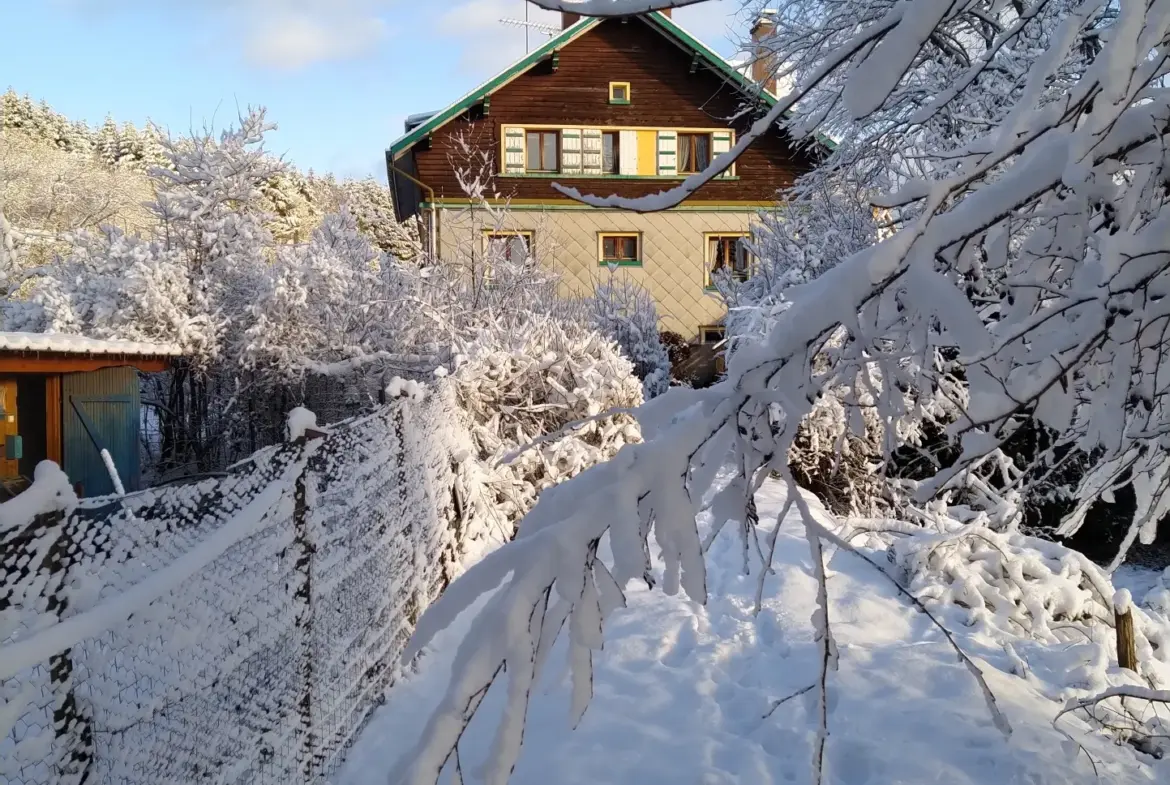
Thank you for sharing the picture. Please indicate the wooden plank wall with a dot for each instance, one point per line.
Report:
(664, 94)
(53, 419)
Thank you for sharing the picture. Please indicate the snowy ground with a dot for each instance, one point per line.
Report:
(681, 692)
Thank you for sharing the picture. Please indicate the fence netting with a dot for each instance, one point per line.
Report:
(233, 630)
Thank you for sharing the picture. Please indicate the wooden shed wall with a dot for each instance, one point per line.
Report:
(664, 94)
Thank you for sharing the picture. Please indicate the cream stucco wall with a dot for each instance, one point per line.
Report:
(673, 252)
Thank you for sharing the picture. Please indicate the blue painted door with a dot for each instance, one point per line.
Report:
(100, 410)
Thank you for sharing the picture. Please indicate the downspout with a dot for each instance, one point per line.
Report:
(433, 229)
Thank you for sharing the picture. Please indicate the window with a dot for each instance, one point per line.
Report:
(610, 161)
(694, 152)
(619, 92)
(622, 248)
(729, 253)
(711, 333)
(543, 151)
(515, 247)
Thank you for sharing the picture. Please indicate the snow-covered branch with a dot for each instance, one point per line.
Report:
(1022, 275)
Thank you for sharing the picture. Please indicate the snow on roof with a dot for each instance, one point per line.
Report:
(417, 119)
(79, 344)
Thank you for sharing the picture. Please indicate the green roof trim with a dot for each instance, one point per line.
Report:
(723, 67)
(655, 18)
(439, 119)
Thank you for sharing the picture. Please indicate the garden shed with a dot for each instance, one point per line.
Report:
(73, 400)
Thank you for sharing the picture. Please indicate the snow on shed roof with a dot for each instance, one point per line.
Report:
(79, 344)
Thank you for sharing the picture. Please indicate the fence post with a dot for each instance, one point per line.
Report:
(1123, 625)
(303, 597)
(71, 727)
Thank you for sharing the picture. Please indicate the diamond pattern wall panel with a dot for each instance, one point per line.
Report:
(672, 253)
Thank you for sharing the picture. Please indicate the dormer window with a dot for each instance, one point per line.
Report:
(619, 92)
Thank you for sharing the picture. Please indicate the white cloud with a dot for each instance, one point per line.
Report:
(720, 24)
(486, 45)
(279, 34)
(291, 40)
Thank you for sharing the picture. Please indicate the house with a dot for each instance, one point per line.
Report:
(628, 106)
(69, 399)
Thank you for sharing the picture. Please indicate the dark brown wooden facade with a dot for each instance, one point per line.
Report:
(670, 88)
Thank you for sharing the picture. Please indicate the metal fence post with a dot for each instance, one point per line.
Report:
(71, 728)
(303, 597)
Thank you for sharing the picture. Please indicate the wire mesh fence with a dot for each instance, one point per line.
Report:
(232, 630)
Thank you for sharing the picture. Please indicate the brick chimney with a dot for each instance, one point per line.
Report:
(763, 60)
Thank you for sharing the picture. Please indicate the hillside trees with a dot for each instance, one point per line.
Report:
(57, 176)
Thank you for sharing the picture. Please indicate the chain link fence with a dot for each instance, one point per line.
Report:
(232, 630)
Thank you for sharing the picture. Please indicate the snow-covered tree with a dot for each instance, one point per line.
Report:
(107, 142)
(373, 209)
(329, 300)
(1061, 195)
(48, 192)
(625, 312)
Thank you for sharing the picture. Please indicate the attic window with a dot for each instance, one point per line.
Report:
(619, 92)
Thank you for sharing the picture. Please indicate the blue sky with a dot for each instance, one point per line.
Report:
(338, 76)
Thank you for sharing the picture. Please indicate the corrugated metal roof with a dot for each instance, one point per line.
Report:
(79, 344)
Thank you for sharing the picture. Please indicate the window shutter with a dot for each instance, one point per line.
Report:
(513, 150)
(721, 143)
(571, 151)
(628, 152)
(591, 151)
(667, 153)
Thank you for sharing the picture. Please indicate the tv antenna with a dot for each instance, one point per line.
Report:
(548, 30)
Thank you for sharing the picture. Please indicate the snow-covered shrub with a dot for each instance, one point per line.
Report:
(1043, 127)
(331, 300)
(1049, 607)
(49, 191)
(518, 386)
(625, 312)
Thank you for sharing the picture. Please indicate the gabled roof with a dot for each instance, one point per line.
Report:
(658, 20)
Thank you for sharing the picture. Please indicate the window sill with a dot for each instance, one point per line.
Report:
(618, 103)
(552, 175)
(625, 263)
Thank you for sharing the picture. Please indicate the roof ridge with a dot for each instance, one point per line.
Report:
(655, 18)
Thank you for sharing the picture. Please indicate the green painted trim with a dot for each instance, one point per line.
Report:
(623, 263)
(722, 66)
(619, 103)
(443, 117)
(535, 208)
